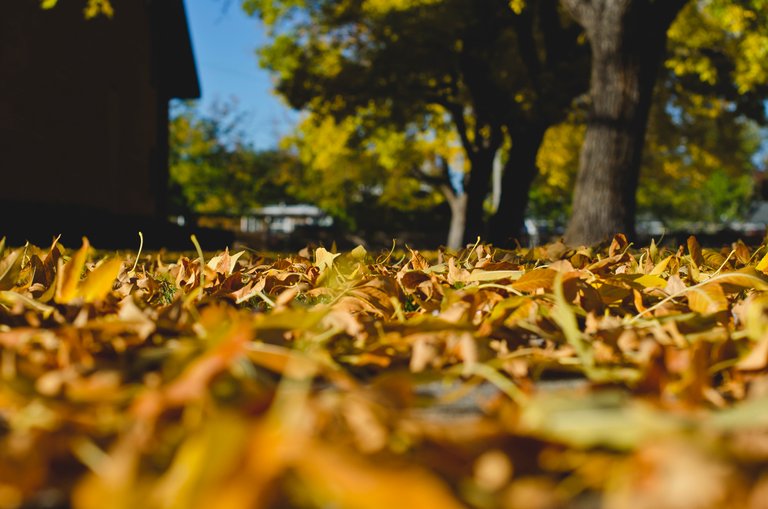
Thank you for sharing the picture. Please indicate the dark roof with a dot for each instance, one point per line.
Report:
(174, 56)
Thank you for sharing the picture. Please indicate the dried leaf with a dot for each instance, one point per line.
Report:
(10, 267)
(535, 280)
(347, 482)
(694, 250)
(478, 275)
(660, 267)
(324, 258)
(100, 281)
(651, 281)
(69, 275)
(707, 299)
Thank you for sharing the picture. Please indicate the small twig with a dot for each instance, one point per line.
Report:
(723, 264)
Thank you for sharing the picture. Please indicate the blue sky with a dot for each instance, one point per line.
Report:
(224, 41)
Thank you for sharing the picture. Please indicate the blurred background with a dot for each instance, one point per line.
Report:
(282, 123)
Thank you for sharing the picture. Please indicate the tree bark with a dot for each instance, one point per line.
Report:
(628, 42)
(458, 205)
(477, 190)
(506, 225)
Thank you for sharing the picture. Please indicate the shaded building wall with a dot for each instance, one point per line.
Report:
(81, 113)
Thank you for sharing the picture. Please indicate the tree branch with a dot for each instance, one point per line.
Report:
(457, 115)
(582, 10)
(523, 27)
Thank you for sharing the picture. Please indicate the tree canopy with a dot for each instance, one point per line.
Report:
(716, 57)
(342, 171)
(214, 169)
(501, 76)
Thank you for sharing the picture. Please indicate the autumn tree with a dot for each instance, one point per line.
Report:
(628, 41)
(697, 161)
(502, 75)
(214, 169)
(718, 50)
(345, 173)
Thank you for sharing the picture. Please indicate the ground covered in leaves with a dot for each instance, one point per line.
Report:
(612, 377)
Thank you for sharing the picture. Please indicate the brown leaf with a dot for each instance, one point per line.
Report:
(694, 250)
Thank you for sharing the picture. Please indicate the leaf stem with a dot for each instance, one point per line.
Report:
(202, 265)
(138, 255)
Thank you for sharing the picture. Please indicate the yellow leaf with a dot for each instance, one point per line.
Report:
(651, 281)
(99, 282)
(745, 278)
(10, 298)
(661, 266)
(281, 360)
(713, 259)
(201, 463)
(359, 253)
(535, 279)
(348, 482)
(564, 316)
(494, 275)
(707, 299)
(324, 258)
(10, 268)
(66, 284)
(762, 266)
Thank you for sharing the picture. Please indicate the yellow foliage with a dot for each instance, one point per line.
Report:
(98, 7)
(347, 160)
(92, 9)
(752, 70)
(384, 6)
(517, 6)
(733, 28)
(558, 156)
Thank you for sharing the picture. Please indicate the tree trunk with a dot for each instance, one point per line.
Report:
(628, 42)
(520, 170)
(477, 191)
(458, 205)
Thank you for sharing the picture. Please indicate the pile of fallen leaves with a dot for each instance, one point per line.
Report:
(611, 377)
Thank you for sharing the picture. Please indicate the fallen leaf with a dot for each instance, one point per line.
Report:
(707, 299)
(535, 280)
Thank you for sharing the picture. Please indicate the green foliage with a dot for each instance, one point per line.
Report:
(214, 169)
(698, 163)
